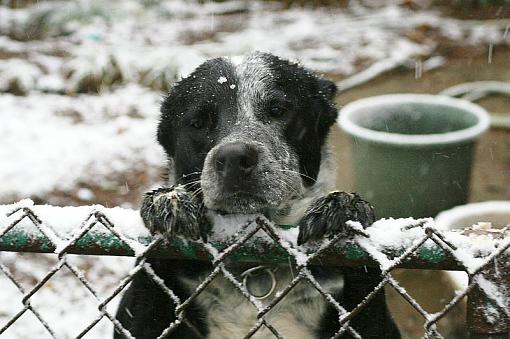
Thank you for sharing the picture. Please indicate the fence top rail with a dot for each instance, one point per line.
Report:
(96, 230)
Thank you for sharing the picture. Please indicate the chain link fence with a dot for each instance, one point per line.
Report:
(482, 253)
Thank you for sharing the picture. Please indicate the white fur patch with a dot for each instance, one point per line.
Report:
(254, 78)
(297, 315)
(325, 183)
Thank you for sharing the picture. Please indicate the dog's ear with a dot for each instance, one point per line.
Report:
(327, 88)
(311, 129)
(164, 139)
(164, 133)
(326, 92)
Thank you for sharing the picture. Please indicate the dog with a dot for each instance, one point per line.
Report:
(248, 136)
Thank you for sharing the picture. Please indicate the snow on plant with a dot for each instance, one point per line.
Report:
(18, 75)
(153, 42)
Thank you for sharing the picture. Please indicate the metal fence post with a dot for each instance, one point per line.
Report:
(488, 318)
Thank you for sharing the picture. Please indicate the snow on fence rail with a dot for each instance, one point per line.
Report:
(394, 243)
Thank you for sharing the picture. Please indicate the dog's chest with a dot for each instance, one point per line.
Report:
(229, 314)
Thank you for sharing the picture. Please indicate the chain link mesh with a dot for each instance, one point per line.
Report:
(63, 244)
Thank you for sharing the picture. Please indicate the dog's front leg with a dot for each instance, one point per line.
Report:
(328, 215)
(174, 211)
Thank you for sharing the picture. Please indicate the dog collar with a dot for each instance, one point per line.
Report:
(258, 273)
(287, 226)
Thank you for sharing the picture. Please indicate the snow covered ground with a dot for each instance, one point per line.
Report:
(81, 81)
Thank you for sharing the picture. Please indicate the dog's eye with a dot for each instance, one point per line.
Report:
(277, 111)
(197, 123)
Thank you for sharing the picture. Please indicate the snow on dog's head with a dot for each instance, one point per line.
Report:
(248, 136)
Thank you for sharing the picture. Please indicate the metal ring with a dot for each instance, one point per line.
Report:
(248, 273)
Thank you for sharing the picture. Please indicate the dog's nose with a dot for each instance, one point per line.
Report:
(235, 159)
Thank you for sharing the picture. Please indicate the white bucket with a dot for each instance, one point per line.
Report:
(495, 212)
(459, 217)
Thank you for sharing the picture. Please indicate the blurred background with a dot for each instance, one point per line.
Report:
(81, 82)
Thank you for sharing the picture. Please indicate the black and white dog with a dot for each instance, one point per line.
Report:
(243, 137)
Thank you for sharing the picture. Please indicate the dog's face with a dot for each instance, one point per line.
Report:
(247, 135)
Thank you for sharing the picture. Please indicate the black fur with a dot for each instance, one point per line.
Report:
(196, 99)
(196, 117)
(158, 213)
(316, 115)
(328, 215)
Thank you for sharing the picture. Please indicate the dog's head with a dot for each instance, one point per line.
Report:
(249, 135)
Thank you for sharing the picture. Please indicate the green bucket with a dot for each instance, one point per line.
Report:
(412, 153)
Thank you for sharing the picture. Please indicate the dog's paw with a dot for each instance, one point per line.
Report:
(328, 215)
(173, 211)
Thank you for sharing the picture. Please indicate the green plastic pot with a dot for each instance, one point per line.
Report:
(412, 154)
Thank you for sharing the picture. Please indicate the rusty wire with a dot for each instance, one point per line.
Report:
(247, 231)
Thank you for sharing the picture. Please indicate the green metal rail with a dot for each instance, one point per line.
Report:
(343, 253)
